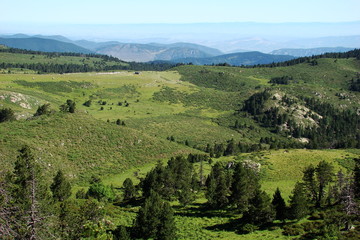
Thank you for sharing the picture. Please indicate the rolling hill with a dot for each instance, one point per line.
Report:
(152, 52)
(44, 45)
(303, 52)
(233, 114)
(237, 59)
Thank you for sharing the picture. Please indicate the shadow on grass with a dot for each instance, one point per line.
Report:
(200, 211)
(237, 226)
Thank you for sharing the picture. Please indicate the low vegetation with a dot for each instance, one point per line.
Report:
(195, 152)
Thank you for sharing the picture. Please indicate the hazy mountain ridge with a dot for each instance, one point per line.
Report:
(44, 45)
(237, 59)
(301, 52)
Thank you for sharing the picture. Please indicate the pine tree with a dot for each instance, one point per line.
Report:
(7, 114)
(298, 202)
(60, 187)
(43, 110)
(279, 205)
(324, 174)
(155, 219)
(357, 178)
(244, 184)
(129, 189)
(28, 195)
(217, 188)
(260, 211)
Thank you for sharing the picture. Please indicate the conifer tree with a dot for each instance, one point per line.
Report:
(279, 205)
(260, 211)
(357, 178)
(299, 206)
(129, 189)
(217, 188)
(155, 219)
(60, 187)
(244, 183)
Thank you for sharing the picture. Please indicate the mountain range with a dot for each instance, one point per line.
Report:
(237, 52)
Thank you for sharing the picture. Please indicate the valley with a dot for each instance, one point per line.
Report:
(127, 122)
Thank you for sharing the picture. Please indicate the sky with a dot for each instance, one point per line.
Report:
(103, 20)
(184, 11)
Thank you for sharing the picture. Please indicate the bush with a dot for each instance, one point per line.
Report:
(101, 192)
(293, 230)
(7, 114)
(249, 228)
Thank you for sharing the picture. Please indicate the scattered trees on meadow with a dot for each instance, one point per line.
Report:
(69, 106)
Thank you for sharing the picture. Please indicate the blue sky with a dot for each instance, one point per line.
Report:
(182, 11)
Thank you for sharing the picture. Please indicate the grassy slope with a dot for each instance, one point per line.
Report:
(194, 116)
(82, 145)
(30, 58)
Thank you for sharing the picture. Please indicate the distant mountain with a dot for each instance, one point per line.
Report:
(94, 45)
(44, 45)
(303, 52)
(269, 45)
(152, 52)
(237, 59)
(207, 50)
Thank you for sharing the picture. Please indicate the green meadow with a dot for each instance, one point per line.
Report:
(193, 105)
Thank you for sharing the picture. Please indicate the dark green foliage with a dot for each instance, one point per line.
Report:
(281, 80)
(279, 205)
(254, 105)
(155, 219)
(324, 175)
(299, 205)
(174, 180)
(101, 192)
(81, 194)
(69, 106)
(355, 85)
(87, 103)
(218, 191)
(244, 184)
(316, 179)
(129, 190)
(357, 179)
(104, 63)
(260, 211)
(74, 215)
(118, 122)
(6, 114)
(60, 187)
(121, 233)
(43, 110)
(29, 196)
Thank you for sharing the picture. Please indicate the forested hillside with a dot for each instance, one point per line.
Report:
(113, 151)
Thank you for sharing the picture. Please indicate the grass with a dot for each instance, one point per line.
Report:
(190, 103)
(30, 58)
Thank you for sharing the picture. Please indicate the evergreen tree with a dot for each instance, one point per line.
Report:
(69, 106)
(155, 219)
(260, 211)
(217, 188)
(129, 189)
(7, 114)
(121, 233)
(60, 187)
(43, 110)
(299, 207)
(244, 183)
(29, 196)
(279, 205)
(357, 178)
(324, 174)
